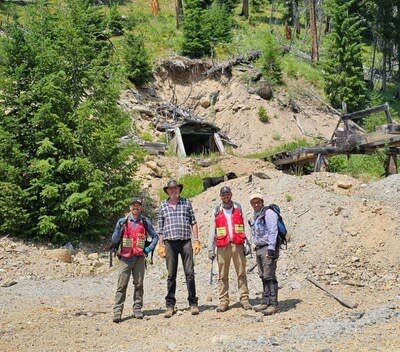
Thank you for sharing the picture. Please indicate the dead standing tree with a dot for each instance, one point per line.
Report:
(314, 34)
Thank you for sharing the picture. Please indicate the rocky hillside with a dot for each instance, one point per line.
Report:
(343, 233)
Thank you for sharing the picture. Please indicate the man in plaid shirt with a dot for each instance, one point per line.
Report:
(177, 226)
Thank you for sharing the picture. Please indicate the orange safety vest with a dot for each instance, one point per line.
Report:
(133, 239)
(221, 228)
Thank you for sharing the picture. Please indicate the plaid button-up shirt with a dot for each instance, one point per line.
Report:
(176, 223)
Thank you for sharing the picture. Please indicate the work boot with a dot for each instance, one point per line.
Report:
(117, 318)
(271, 310)
(169, 312)
(194, 310)
(246, 305)
(137, 314)
(260, 307)
(222, 308)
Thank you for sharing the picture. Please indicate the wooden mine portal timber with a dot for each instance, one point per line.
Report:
(349, 139)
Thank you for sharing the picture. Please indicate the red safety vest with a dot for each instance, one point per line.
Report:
(133, 239)
(221, 228)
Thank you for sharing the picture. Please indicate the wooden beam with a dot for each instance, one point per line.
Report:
(362, 113)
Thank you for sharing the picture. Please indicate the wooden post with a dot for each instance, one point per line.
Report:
(181, 152)
(391, 166)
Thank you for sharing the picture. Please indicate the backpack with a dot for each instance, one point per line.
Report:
(282, 231)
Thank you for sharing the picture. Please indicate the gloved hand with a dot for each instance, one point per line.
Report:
(161, 251)
(271, 253)
(147, 250)
(211, 255)
(196, 247)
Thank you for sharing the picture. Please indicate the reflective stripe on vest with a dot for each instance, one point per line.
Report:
(221, 228)
(133, 239)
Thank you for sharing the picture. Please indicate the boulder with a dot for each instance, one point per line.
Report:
(60, 254)
(265, 91)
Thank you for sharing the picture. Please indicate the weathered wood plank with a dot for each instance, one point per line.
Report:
(362, 113)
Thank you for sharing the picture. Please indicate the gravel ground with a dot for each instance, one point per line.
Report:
(54, 306)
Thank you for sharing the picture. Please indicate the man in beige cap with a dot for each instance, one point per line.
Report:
(227, 233)
(264, 230)
(177, 227)
(129, 239)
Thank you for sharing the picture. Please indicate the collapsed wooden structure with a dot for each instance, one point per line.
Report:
(349, 139)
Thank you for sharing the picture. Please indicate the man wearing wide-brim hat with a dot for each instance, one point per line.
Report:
(177, 227)
(264, 230)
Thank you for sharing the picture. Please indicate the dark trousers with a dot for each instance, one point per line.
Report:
(173, 248)
(267, 273)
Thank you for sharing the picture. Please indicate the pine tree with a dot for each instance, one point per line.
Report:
(64, 174)
(196, 41)
(204, 27)
(137, 60)
(343, 70)
(270, 58)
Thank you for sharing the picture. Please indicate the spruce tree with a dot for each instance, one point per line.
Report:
(64, 174)
(343, 69)
(196, 40)
(203, 28)
(137, 61)
(270, 59)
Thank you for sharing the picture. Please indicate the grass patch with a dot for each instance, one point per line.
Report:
(284, 147)
(295, 68)
(359, 166)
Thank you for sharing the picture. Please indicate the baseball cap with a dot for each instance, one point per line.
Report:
(136, 200)
(225, 189)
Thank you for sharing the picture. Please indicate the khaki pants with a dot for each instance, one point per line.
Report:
(224, 256)
(135, 268)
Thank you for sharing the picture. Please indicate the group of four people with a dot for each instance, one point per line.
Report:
(178, 234)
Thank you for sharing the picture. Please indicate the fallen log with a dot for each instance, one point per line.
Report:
(330, 293)
(227, 65)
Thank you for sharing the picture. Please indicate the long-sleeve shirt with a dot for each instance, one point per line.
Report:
(264, 229)
(175, 222)
(228, 214)
(116, 236)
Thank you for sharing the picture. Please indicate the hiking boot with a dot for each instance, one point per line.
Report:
(222, 308)
(271, 310)
(117, 319)
(137, 314)
(246, 305)
(169, 312)
(260, 307)
(194, 310)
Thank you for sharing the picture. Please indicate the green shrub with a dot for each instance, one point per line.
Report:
(366, 166)
(263, 115)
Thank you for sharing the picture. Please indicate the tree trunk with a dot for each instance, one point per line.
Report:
(371, 78)
(155, 7)
(384, 58)
(296, 18)
(314, 34)
(178, 12)
(245, 9)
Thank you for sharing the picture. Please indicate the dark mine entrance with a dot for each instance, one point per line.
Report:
(197, 143)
